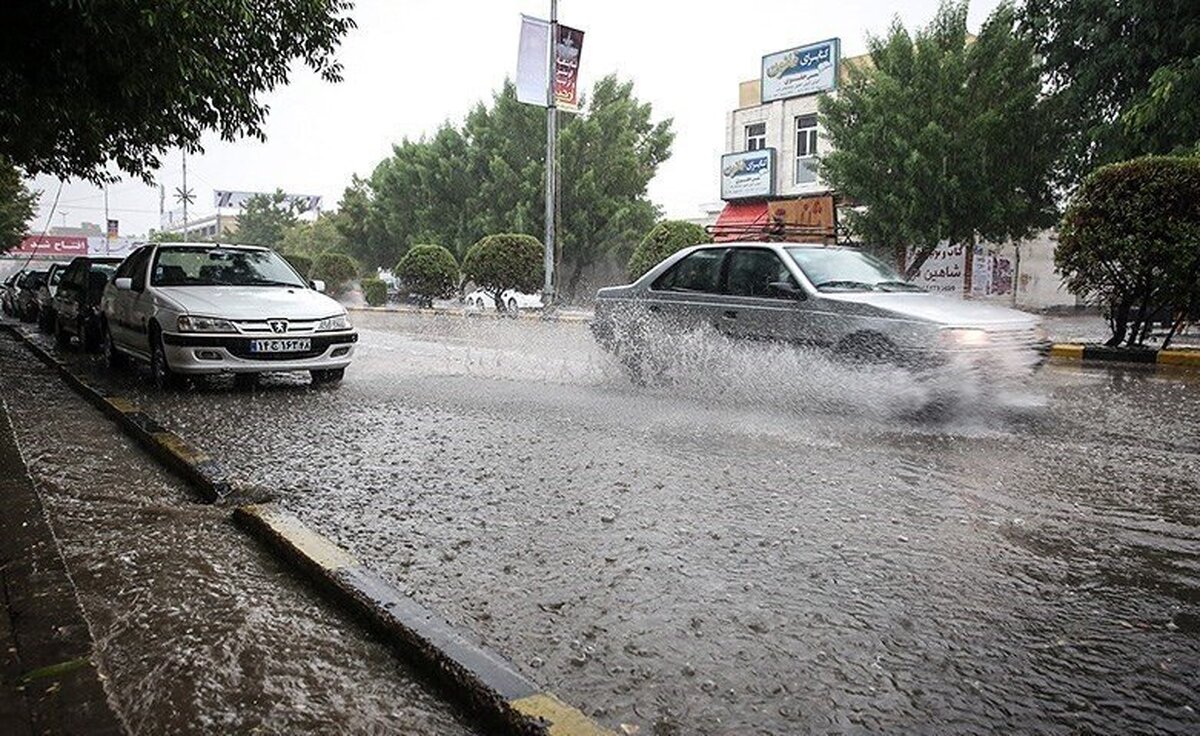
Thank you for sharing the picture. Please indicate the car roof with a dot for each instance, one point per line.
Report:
(206, 246)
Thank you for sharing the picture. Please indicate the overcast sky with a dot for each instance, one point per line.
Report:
(412, 64)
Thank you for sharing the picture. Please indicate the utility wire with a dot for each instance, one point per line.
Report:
(49, 219)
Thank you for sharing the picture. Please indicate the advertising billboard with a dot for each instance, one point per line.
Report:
(748, 175)
(226, 199)
(807, 70)
(51, 245)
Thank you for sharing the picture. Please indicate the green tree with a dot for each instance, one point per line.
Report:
(1130, 240)
(374, 291)
(487, 177)
(337, 270)
(942, 138)
(264, 219)
(428, 271)
(504, 261)
(86, 84)
(312, 238)
(664, 239)
(16, 206)
(302, 264)
(1124, 76)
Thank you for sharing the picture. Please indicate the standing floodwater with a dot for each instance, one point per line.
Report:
(762, 546)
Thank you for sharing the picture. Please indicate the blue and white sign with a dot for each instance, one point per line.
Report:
(807, 70)
(748, 175)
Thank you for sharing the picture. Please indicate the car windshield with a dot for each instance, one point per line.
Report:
(843, 269)
(222, 267)
(108, 269)
(55, 275)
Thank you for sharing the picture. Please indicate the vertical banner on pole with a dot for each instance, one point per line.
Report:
(567, 48)
(533, 51)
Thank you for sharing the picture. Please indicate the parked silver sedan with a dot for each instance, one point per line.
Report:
(833, 297)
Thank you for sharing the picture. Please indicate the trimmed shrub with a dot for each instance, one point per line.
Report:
(374, 291)
(663, 240)
(505, 261)
(1130, 241)
(337, 270)
(428, 272)
(303, 264)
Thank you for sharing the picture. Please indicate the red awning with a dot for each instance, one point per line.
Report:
(739, 218)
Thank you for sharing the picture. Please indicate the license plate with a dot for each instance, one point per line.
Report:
(294, 345)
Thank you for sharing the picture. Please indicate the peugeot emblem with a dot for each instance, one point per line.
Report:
(278, 326)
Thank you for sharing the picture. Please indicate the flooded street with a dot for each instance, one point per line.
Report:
(762, 544)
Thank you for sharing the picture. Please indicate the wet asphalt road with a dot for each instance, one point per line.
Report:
(763, 545)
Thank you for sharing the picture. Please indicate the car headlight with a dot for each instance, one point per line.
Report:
(192, 323)
(329, 324)
(959, 337)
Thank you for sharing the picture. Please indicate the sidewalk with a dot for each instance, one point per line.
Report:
(48, 678)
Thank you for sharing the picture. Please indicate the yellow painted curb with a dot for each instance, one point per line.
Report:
(313, 546)
(1190, 358)
(179, 448)
(563, 719)
(1074, 352)
(125, 406)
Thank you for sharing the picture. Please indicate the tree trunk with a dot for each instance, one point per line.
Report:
(1118, 322)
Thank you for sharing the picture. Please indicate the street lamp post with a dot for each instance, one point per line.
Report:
(551, 174)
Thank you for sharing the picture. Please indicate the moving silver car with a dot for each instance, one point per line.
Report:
(834, 297)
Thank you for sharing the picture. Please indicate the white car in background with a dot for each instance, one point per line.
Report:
(513, 300)
(205, 308)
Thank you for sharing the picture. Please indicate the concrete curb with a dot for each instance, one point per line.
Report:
(490, 685)
(200, 471)
(531, 316)
(1103, 354)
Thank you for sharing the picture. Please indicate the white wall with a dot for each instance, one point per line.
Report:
(780, 117)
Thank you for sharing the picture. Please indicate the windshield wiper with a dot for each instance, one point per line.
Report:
(269, 282)
(845, 284)
(897, 286)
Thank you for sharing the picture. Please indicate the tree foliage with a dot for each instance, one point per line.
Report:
(302, 264)
(16, 206)
(313, 238)
(86, 84)
(264, 219)
(943, 138)
(1125, 76)
(664, 239)
(374, 292)
(337, 270)
(1130, 239)
(504, 261)
(486, 176)
(428, 272)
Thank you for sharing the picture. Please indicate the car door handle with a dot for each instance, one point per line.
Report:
(729, 314)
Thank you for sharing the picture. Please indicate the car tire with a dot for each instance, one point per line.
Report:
(113, 357)
(867, 348)
(89, 340)
(327, 375)
(43, 321)
(61, 338)
(160, 368)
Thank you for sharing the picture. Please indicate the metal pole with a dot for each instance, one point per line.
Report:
(185, 198)
(107, 239)
(551, 140)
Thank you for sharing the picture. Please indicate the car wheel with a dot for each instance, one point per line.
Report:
(113, 357)
(160, 369)
(88, 339)
(327, 375)
(61, 338)
(43, 320)
(867, 348)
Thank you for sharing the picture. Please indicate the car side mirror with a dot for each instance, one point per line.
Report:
(124, 283)
(787, 288)
(317, 284)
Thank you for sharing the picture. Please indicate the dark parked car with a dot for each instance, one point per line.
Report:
(8, 293)
(45, 296)
(77, 302)
(26, 305)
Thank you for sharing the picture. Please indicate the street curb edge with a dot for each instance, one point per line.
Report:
(1103, 354)
(204, 474)
(485, 681)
